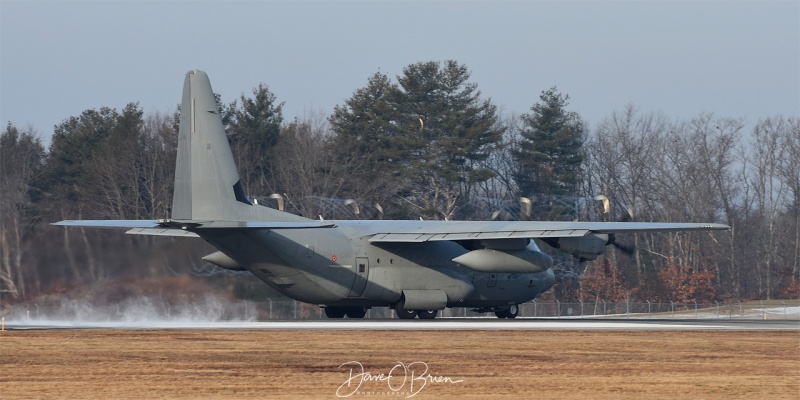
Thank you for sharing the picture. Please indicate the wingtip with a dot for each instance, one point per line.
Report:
(714, 227)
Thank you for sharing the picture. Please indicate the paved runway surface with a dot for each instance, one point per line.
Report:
(440, 324)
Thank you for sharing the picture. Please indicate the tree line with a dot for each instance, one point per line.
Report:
(427, 145)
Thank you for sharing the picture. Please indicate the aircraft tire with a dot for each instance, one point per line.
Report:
(406, 314)
(356, 312)
(335, 312)
(427, 314)
(402, 313)
(510, 312)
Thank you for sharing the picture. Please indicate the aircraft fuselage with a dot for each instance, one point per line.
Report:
(340, 267)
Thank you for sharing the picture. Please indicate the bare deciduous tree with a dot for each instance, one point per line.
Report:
(770, 193)
(21, 156)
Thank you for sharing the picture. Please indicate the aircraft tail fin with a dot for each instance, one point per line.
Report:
(207, 184)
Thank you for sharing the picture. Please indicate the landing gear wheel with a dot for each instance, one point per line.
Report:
(402, 313)
(510, 312)
(334, 312)
(429, 314)
(406, 314)
(356, 312)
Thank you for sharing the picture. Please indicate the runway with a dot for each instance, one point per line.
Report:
(488, 324)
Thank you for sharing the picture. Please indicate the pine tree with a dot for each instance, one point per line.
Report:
(428, 133)
(253, 129)
(549, 156)
(366, 123)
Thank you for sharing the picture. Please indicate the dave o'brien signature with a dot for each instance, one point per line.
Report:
(409, 378)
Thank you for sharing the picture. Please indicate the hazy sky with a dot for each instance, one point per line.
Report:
(735, 59)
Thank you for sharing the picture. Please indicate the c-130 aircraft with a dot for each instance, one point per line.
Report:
(348, 266)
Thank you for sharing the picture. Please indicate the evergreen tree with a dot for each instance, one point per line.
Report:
(253, 129)
(366, 124)
(68, 169)
(447, 131)
(549, 156)
(429, 133)
(94, 167)
(364, 141)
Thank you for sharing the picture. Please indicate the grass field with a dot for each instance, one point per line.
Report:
(223, 364)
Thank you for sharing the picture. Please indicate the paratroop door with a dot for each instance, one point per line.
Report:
(361, 272)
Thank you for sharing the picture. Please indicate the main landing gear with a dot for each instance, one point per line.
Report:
(427, 314)
(510, 312)
(350, 312)
(402, 313)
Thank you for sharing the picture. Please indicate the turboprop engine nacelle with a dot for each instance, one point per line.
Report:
(584, 248)
(221, 260)
(492, 260)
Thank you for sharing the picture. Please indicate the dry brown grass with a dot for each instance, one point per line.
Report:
(492, 364)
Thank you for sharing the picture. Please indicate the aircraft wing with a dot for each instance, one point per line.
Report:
(424, 231)
(404, 231)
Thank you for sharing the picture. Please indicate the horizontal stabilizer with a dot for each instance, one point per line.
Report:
(110, 223)
(186, 228)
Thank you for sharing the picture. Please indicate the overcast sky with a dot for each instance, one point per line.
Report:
(735, 59)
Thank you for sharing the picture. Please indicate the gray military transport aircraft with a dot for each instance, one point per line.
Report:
(348, 266)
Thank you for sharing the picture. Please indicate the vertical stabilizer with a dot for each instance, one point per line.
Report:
(207, 185)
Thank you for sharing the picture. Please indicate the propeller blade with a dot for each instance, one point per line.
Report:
(628, 249)
(277, 197)
(605, 214)
(525, 209)
(354, 205)
(605, 208)
(628, 215)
